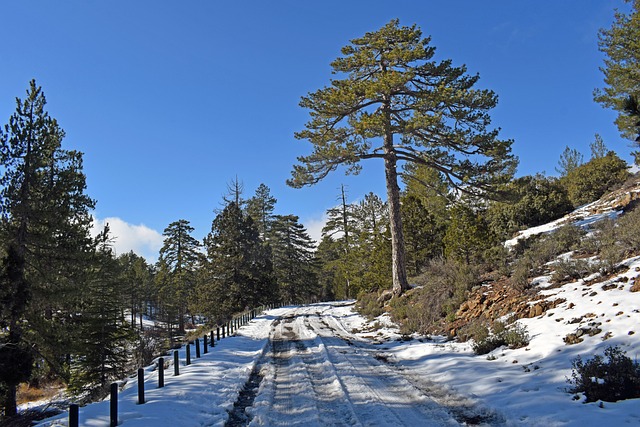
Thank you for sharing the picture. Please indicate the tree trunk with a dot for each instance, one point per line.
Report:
(398, 264)
(10, 406)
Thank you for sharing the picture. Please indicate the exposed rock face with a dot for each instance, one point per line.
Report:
(493, 301)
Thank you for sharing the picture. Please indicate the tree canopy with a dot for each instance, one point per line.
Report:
(621, 45)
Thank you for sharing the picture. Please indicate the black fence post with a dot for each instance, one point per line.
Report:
(176, 363)
(161, 372)
(74, 418)
(197, 348)
(205, 344)
(188, 353)
(213, 342)
(218, 332)
(224, 330)
(140, 386)
(113, 406)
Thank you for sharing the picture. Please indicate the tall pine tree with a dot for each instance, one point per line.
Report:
(238, 273)
(103, 349)
(45, 229)
(260, 208)
(294, 261)
(180, 258)
(397, 104)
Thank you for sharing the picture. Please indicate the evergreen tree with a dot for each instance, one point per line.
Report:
(260, 208)
(377, 271)
(620, 46)
(45, 228)
(370, 216)
(632, 109)
(423, 234)
(590, 181)
(339, 227)
(535, 200)
(327, 255)
(294, 261)
(598, 149)
(137, 280)
(103, 349)
(569, 160)
(421, 111)
(467, 236)
(177, 266)
(239, 271)
(351, 237)
(430, 188)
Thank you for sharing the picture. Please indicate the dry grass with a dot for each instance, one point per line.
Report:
(27, 393)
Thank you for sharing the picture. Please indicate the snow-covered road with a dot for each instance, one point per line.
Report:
(316, 372)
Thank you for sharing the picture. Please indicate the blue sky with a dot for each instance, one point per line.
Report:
(170, 101)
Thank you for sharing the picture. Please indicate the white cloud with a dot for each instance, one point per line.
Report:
(140, 239)
(314, 227)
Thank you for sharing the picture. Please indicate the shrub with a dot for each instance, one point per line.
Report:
(521, 273)
(571, 269)
(536, 200)
(590, 181)
(369, 306)
(610, 378)
(444, 286)
(513, 337)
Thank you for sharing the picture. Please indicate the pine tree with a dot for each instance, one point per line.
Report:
(622, 62)
(179, 261)
(570, 159)
(423, 234)
(260, 208)
(294, 261)
(103, 349)
(238, 271)
(419, 110)
(137, 278)
(429, 186)
(339, 227)
(598, 148)
(468, 235)
(45, 226)
(632, 109)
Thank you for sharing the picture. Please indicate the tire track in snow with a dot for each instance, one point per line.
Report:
(378, 395)
(317, 379)
(300, 387)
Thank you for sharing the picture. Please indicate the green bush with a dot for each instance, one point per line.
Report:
(442, 288)
(590, 181)
(368, 305)
(571, 269)
(515, 336)
(537, 251)
(610, 378)
(535, 200)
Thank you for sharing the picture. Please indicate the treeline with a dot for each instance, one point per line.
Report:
(251, 257)
(73, 313)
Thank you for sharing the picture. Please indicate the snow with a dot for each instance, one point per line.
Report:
(523, 387)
